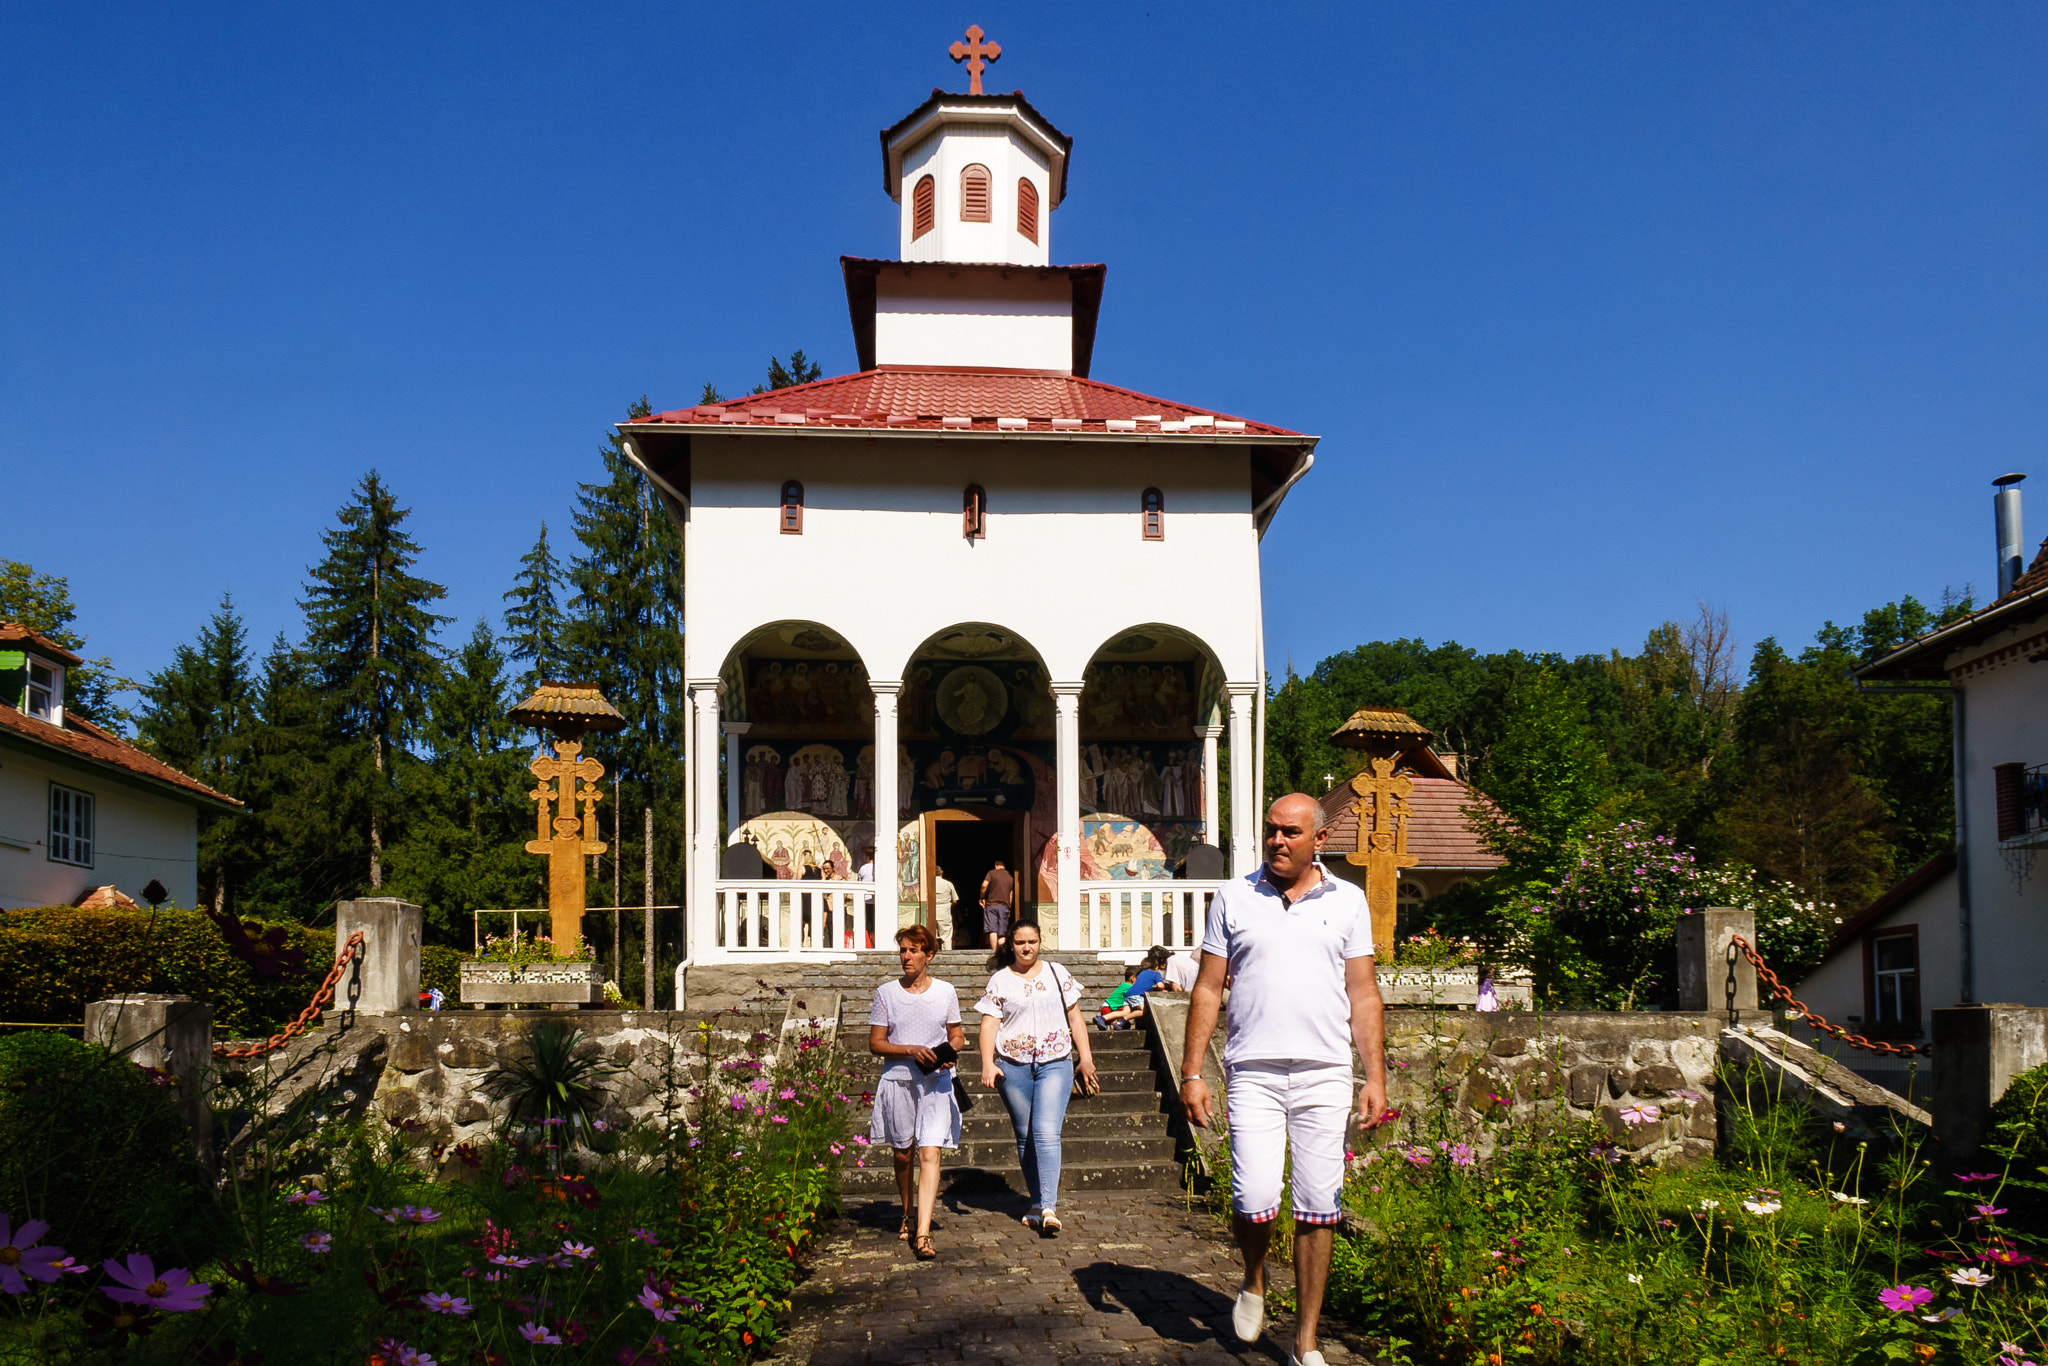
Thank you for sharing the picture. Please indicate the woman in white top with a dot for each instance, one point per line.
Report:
(1029, 1045)
(914, 1102)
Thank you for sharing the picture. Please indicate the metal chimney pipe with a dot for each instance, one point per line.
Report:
(2006, 504)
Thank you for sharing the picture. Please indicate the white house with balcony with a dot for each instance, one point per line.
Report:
(969, 603)
(1970, 925)
(81, 808)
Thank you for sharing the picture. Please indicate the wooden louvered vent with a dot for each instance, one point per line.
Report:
(974, 195)
(924, 213)
(1027, 209)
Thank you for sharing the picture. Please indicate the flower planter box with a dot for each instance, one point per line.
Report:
(567, 982)
(1450, 987)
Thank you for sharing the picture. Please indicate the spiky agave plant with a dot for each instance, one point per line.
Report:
(550, 1082)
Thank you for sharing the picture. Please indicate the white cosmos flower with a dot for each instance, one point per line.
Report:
(1762, 1206)
(1971, 1276)
(1710, 1204)
(1847, 1199)
(1634, 1279)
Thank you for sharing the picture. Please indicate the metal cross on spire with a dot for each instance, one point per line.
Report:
(972, 52)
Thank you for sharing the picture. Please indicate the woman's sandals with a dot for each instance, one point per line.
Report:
(925, 1250)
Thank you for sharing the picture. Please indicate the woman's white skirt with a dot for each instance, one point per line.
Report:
(918, 1112)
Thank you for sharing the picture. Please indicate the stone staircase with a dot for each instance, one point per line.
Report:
(1118, 1140)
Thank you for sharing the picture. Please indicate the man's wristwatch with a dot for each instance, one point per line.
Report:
(1185, 1080)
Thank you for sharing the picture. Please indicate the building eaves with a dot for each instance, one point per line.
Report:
(1900, 892)
(82, 742)
(14, 633)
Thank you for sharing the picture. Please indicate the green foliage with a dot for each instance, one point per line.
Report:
(800, 370)
(198, 716)
(553, 1080)
(42, 602)
(534, 622)
(94, 1146)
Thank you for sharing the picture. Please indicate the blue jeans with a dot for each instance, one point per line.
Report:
(1036, 1095)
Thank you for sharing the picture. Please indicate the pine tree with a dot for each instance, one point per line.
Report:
(197, 716)
(800, 370)
(534, 623)
(371, 639)
(298, 856)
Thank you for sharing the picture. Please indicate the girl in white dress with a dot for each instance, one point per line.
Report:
(914, 1102)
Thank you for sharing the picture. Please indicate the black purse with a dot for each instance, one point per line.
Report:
(945, 1053)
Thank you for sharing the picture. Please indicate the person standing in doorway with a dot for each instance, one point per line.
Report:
(1031, 1042)
(997, 891)
(1296, 944)
(944, 895)
(915, 1108)
(866, 873)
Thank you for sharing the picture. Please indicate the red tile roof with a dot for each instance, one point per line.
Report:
(892, 398)
(14, 633)
(1439, 835)
(81, 740)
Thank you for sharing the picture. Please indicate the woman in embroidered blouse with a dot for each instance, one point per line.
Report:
(915, 1107)
(1030, 1044)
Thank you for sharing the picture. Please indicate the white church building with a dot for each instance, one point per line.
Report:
(969, 603)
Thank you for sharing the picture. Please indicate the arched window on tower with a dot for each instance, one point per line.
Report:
(1027, 209)
(792, 508)
(1153, 504)
(924, 213)
(974, 513)
(974, 196)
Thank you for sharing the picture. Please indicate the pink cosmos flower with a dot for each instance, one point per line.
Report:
(1989, 1211)
(538, 1335)
(1974, 1178)
(644, 1236)
(306, 1198)
(1902, 1299)
(437, 1303)
(1640, 1114)
(317, 1242)
(19, 1256)
(582, 1250)
(656, 1303)
(507, 1259)
(174, 1291)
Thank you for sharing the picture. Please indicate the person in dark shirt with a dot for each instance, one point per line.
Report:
(997, 889)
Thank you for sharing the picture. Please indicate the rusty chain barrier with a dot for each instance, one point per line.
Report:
(1738, 945)
(351, 956)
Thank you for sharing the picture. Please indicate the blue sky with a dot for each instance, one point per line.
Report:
(1599, 310)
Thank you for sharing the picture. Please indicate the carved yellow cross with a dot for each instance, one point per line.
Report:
(561, 836)
(1382, 849)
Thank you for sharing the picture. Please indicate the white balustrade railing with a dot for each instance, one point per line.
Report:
(776, 916)
(1129, 916)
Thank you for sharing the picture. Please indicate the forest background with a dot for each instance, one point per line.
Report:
(373, 754)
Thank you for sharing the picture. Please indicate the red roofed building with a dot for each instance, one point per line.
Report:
(970, 602)
(81, 808)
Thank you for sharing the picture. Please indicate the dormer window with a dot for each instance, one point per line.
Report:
(1027, 210)
(792, 509)
(974, 513)
(1152, 505)
(42, 691)
(924, 212)
(974, 194)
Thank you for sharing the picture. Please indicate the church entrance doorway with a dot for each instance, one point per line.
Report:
(966, 844)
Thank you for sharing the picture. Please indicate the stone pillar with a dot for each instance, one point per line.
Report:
(735, 732)
(1212, 789)
(173, 1034)
(1978, 1050)
(391, 954)
(1245, 824)
(1066, 701)
(888, 896)
(1703, 959)
(702, 900)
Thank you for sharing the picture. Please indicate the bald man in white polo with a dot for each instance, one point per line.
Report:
(1296, 944)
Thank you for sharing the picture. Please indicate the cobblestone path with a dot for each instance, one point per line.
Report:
(1136, 1276)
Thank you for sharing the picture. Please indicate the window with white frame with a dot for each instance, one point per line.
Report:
(45, 690)
(1895, 966)
(71, 826)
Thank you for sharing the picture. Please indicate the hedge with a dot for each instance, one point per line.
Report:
(55, 959)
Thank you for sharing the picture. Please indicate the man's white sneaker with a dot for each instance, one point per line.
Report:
(1312, 1359)
(1248, 1316)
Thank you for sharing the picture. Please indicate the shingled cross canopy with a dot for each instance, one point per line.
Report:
(972, 52)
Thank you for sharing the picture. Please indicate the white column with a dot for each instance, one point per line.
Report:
(1212, 791)
(1066, 700)
(888, 899)
(1245, 825)
(734, 731)
(704, 851)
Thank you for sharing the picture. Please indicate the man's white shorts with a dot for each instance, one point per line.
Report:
(1272, 1106)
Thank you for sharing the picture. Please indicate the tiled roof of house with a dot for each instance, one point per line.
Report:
(14, 633)
(1922, 658)
(80, 739)
(2034, 576)
(1439, 835)
(994, 401)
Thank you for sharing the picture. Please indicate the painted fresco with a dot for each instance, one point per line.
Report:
(992, 699)
(1162, 782)
(797, 697)
(794, 844)
(970, 775)
(835, 781)
(1114, 848)
(1132, 701)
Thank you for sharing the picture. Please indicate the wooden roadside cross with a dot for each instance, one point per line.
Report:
(1383, 849)
(574, 779)
(972, 52)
